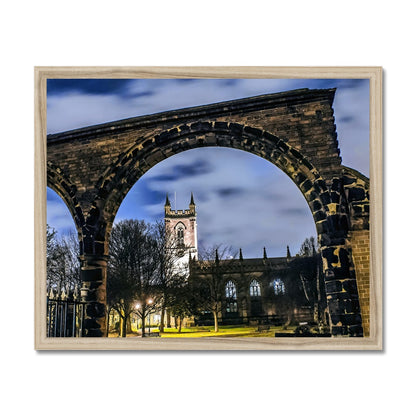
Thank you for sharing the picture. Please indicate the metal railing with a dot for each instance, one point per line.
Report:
(65, 313)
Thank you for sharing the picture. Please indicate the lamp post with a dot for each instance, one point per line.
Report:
(149, 302)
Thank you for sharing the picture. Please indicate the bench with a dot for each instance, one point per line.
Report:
(263, 328)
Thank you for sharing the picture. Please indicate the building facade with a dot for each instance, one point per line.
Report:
(275, 290)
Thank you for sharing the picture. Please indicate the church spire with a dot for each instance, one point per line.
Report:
(288, 252)
(192, 204)
(167, 203)
(264, 253)
(241, 254)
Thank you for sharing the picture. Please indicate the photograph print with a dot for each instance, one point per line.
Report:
(207, 213)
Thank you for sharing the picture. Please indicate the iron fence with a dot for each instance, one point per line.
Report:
(65, 315)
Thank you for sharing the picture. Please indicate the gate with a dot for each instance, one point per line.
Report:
(65, 314)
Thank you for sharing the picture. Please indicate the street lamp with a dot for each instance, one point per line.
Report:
(149, 302)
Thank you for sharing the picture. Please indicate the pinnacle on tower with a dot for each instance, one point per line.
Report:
(167, 203)
(288, 252)
(192, 200)
(241, 254)
(264, 253)
(217, 260)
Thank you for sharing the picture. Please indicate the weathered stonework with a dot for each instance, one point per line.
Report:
(93, 169)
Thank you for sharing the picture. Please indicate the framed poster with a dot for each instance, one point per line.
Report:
(162, 223)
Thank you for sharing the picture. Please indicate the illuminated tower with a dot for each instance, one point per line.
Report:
(181, 224)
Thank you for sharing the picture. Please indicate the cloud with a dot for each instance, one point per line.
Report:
(87, 86)
(183, 170)
(230, 192)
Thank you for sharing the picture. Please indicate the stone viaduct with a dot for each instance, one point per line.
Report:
(93, 169)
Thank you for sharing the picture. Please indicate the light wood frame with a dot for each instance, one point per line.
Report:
(373, 342)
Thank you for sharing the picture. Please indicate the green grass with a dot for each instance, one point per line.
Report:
(208, 331)
(224, 331)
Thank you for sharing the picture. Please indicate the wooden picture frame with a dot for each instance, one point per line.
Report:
(374, 341)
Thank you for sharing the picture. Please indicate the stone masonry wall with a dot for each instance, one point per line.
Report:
(303, 118)
(360, 243)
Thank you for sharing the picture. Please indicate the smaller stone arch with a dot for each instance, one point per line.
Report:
(64, 187)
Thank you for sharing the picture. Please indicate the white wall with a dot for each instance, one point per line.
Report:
(205, 33)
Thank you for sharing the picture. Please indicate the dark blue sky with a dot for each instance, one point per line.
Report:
(242, 200)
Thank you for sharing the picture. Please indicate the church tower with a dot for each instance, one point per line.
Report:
(181, 224)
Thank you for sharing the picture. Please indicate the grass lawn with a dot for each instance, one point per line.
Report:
(208, 331)
(224, 331)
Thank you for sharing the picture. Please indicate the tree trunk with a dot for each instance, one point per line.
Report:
(215, 321)
(128, 325)
(107, 325)
(180, 324)
(124, 326)
(143, 325)
(162, 320)
(289, 315)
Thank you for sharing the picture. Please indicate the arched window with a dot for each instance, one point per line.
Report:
(230, 290)
(231, 297)
(254, 288)
(180, 235)
(278, 287)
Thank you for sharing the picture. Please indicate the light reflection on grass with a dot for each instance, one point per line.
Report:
(224, 331)
(208, 331)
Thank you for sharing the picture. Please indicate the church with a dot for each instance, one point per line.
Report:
(264, 290)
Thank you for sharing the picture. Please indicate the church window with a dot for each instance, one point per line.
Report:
(254, 288)
(278, 287)
(231, 307)
(230, 290)
(231, 297)
(179, 236)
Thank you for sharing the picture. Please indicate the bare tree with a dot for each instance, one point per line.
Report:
(63, 266)
(133, 272)
(209, 290)
(308, 266)
(170, 278)
(309, 247)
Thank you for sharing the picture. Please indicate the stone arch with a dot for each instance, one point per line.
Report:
(294, 130)
(325, 199)
(119, 178)
(180, 224)
(65, 188)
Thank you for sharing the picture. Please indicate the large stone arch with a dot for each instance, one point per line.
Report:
(295, 131)
(132, 164)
